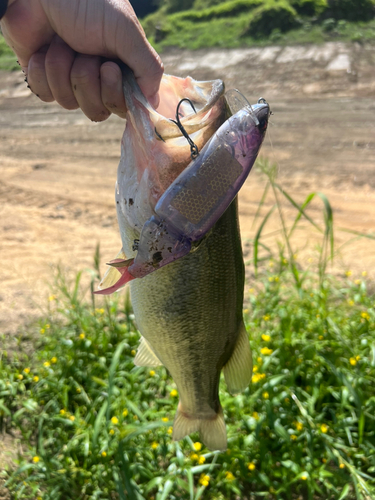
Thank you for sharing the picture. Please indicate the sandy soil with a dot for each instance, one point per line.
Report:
(58, 169)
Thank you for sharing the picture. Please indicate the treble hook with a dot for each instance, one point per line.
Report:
(193, 147)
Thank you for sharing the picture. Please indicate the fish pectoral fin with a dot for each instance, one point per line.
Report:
(111, 275)
(145, 355)
(212, 431)
(239, 369)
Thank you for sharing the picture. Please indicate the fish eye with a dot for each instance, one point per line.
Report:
(263, 124)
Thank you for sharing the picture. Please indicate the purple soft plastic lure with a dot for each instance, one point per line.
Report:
(195, 201)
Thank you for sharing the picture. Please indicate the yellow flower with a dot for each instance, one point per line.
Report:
(293, 437)
(255, 368)
(62, 412)
(104, 453)
(285, 261)
(194, 456)
(154, 445)
(197, 446)
(295, 256)
(19, 376)
(353, 361)
(321, 337)
(170, 430)
(165, 419)
(270, 279)
(114, 420)
(173, 393)
(72, 418)
(54, 360)
(251, 466)
(365, 315)
(52, 297)
(304, 476)
(246, 311)
(152, 373)
(36, 378)
(351, 302)
(251, 290)
(348, 273)
(266, 317)
(342, 466)
(357, 282)
(266, 351)
(364, 273)
(324, 428)
(265, 395)
(266, 337)
(125, 413)
(259, 360)
(271, 264)
(39, 498)
(201, 460)
(358, 357)
(132, 352)
(27, 370)
(256, 415)
(255, 378)
(204, 480)
(48, 326)
(298, 425)
(46, 364)
(99, 311)
(36, 459)
(78, 390)
(42, 331)
(111, 432)
(82, 335)
(229, 476)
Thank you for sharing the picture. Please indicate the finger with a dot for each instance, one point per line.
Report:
(85, 81)
(37, 77)
(136, 52)
(59, 61)
(111, 88)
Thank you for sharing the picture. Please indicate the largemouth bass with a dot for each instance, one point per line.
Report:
(188, 307)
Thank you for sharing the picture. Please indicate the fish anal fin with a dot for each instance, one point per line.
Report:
(212, 430)
(145, 355)
(239, 369)
(111, 276)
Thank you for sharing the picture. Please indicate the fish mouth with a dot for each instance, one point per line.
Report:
(206, 97)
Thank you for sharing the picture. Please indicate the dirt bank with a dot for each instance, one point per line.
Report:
(58, 169)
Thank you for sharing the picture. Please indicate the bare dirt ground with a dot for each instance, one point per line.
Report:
(58, 169)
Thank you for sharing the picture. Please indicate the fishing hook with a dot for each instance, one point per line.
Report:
(193, 147)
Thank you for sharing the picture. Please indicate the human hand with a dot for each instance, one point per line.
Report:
(60, 45)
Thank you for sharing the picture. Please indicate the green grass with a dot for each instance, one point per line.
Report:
(8, 61)
(99, 428)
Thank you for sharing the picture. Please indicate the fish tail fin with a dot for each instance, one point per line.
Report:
(212, 430)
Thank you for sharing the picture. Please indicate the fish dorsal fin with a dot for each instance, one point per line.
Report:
(111, 275)
(145, 355)
(212, 430)
(239, 369)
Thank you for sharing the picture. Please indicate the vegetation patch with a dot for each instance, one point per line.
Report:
(98, 428)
